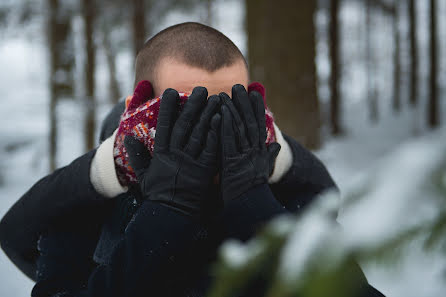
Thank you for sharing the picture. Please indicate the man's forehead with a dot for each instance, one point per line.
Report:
(172, 73)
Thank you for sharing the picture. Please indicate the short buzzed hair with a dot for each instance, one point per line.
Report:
(194, 44)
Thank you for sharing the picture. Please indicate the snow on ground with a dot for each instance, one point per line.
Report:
(362, 150)
(23, 117)
(400, 197)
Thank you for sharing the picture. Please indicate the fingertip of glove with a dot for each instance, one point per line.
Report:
(214, 98)
(224, 97)
(238, 88)
(256, 95)
(200, 91)
(128, 141)
(170, 92)
(132, 143)
(258, 87)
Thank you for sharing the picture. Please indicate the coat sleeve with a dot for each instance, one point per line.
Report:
(65, 260)
(63, 197)
(139, 265)
(111, 121)
(66, 191)
(245, 215)
(305, 180)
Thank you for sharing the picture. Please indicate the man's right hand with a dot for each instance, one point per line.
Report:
(180, 173)
(246, 160)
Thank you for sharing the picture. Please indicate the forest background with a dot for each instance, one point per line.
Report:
(360, 82)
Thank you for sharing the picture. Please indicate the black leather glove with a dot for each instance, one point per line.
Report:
(246, 161)
(180, 174)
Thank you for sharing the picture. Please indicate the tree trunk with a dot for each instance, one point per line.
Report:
(335, 71)
(61, 60)
(52, 26)
(396, 60)
(139, 31)
(209, 14)
(413, 54)
(282, 51)
(90, 63)
(371, 81)
(433, 116)
(110, 58)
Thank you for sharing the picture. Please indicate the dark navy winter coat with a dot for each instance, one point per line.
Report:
(74, 242)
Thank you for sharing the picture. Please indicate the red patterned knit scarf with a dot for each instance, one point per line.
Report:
(140, 118)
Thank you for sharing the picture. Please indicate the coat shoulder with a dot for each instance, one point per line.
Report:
(111, 121)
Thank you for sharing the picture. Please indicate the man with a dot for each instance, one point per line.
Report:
(81, 212)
